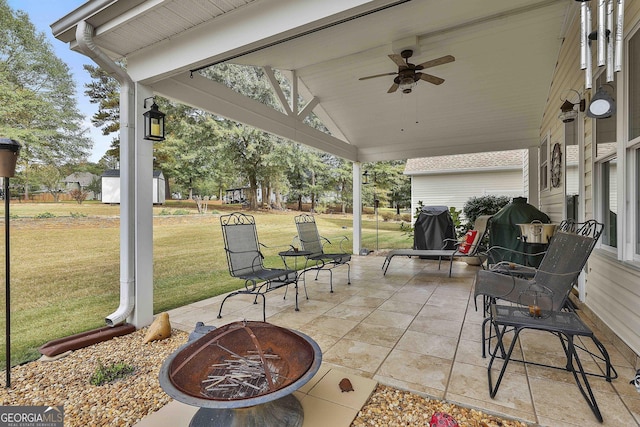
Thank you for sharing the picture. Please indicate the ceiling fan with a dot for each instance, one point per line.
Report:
(408, 74)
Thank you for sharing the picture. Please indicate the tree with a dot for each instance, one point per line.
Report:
(49, 177)
(37, 96)
(104, 90)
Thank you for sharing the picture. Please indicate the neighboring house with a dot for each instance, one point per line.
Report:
(452, 180)
(111, 187)
(80, 181)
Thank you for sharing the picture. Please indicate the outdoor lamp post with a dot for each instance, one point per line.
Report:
(153, 122)
(376, 202)
(9, 151)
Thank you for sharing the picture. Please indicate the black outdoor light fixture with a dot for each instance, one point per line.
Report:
(568, 112)
(9, 151)
(602, 104)
(153, 122)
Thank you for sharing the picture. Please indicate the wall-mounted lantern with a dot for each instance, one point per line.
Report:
(153, 122)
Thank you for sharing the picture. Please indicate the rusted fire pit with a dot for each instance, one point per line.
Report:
(243, 374)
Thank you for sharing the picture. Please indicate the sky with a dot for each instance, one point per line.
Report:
(42, 14)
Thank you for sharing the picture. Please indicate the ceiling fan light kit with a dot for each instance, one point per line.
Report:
(409, 74)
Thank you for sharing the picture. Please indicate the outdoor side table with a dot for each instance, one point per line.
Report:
(295, 255)
(566, 325)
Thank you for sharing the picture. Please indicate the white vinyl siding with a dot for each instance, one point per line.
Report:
(454, 190)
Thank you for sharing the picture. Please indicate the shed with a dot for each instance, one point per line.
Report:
(111, 187)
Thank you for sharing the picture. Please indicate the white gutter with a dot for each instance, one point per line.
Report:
(84, 38)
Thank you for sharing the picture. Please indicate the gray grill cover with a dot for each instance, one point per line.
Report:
(433, 226)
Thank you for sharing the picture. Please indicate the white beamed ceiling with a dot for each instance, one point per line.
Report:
(492, 99)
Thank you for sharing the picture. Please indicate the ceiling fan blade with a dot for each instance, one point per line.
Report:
(398, 59)
(393, 88)
(438, 61)
(377, 75)
(431, 79)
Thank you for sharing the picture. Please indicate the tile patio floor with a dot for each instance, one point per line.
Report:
(415, 329)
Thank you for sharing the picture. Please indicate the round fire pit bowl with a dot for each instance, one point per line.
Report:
(243, 374)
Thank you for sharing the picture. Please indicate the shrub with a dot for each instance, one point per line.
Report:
(44, 215)
(111, 373)
(78, 195)
(165, 212)
(181, 212)
(77, 215)
(483, 205)
(388, 216)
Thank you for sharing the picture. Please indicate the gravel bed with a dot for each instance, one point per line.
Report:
(125, 402)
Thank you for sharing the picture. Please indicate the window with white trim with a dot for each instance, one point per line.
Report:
(633, 143)
(607, 165)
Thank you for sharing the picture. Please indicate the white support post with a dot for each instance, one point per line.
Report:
(357, 208)
(143, 207)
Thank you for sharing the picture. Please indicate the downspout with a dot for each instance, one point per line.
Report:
(84, 38)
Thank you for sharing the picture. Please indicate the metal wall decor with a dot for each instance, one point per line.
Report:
(556, 165)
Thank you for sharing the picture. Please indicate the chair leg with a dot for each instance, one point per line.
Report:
(388, 261)
(494, 389)
(348, 273)
(223, 301)
(582, 381)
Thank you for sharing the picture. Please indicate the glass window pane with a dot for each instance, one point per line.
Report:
(634, 86)
(605, 128)
(610, 203)
(638, 201)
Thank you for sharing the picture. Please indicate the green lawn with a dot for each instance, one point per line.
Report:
(65, 262)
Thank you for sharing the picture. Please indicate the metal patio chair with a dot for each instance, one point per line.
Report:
(311, 241)
(541, 303)
(245, 261)
(476, 248)
(563, 261)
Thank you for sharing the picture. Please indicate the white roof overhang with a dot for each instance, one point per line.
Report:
(493, 97)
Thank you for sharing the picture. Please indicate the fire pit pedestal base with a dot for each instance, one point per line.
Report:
(283, 412)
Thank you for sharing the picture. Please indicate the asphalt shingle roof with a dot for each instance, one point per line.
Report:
(490, 160)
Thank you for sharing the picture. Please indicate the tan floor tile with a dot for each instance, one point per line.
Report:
(172, 414)
(472, 381)
(328, 388)
(320, 413)
(364, 301)
(455, 312)
(412, 367)
(329, 326)
(401, 307)
(444, 327)
(573, 408)
(349, 312)
(356, 354)
(389, 318)
(385, 336)
(431, 345)
(322, 371)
